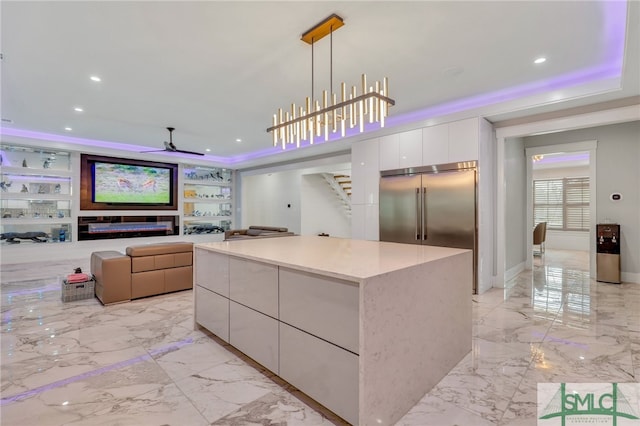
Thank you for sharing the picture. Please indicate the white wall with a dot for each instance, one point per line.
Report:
(322, 209)
(567, 240)
(272, 199)
(516, 195)
(618, 156)
(273, 196)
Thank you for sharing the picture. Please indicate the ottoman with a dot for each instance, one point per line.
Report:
(112, 272)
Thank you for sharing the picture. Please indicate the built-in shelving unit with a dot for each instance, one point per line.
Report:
(207, 200)
(40, 204)
(36, 196)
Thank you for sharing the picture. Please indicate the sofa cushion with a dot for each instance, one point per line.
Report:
(143, 263)
(164, 261)
(178, 279)
(183, 259)
(269, 228)
(253, 232)
(148, 283)
(159, 248)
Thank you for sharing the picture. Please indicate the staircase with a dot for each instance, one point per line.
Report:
(341, 186)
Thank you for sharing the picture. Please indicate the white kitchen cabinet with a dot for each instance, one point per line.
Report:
(358, 221)
(410, 152)
(212, 271)
(451, 142)
(212, 312)
(390, 152)
(325, 372)
(401, 150)
(255, 334)
(435, 145)
(365, 172)
(464, 136)
(254, 284)
(322, 306)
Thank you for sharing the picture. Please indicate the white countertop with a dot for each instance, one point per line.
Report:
(338, 257)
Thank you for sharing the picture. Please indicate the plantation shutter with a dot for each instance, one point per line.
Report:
(547, 199)
(576, 204)
(562, 203)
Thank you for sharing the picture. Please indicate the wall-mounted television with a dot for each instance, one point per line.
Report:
(109, 183)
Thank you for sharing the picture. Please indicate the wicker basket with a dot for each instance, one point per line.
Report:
(78, 291)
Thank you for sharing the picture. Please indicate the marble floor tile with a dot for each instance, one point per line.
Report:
(432, 410)
(142, 363)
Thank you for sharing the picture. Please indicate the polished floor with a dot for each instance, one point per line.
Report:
(141, 363)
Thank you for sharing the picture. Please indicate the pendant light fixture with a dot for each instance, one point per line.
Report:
(353, 109)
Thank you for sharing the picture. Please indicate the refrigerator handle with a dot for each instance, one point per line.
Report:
(418, 214)
(424, 213)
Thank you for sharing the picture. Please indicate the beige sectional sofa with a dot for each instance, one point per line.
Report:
(256, 232)
(144, 270)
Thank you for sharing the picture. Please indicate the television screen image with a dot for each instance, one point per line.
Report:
(115, 183)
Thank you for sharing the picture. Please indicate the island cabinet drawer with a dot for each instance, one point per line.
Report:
(323, 306)
(212, 271)
(255, 334)
(325, 372)
(212, 312)
(254, 284)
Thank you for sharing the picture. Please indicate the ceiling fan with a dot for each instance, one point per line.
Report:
(170, 147)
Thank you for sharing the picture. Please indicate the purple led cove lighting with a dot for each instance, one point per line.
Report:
(50, 287)
(118, 365)
(615, 24)
(36, 179)
(614, 30)
(529, 89)
(564, 158)
(559, 340)
(93, 142)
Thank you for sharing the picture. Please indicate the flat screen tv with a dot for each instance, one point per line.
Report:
(109, 183)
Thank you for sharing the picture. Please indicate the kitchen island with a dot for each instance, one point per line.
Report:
(365, 328)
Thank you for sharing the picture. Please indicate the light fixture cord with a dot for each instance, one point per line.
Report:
(312, 42)
(331, 61)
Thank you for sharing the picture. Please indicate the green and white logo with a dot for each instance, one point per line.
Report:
(616, 404)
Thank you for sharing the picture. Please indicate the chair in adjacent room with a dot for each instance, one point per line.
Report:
(539, 237)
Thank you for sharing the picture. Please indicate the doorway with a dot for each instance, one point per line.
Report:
(563, 163)
(560, 205)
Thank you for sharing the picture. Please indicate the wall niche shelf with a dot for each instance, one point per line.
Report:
(207, 199)
(35, 195)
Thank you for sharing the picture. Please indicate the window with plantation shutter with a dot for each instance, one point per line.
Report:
(562, 203)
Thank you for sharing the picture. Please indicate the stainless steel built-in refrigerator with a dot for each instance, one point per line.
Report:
(433, 205)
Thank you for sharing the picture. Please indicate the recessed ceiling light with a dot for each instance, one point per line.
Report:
(208, 150)
(68, 129)
(238, 140)
(95, 78)
(78, 109)
(539, 60)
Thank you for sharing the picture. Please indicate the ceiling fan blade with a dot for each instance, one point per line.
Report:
(188, 152)
(170, 146)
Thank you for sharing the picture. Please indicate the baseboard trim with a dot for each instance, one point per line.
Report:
(511, 273)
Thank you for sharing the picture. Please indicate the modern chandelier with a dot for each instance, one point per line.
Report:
(353, 109)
